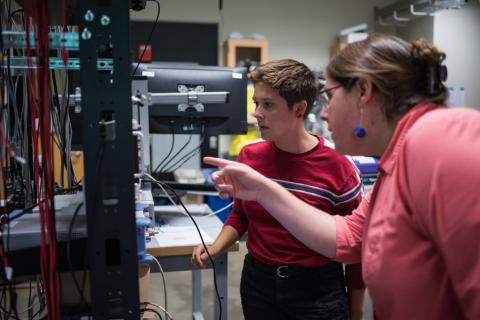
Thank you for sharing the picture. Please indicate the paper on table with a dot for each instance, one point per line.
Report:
(169, 236)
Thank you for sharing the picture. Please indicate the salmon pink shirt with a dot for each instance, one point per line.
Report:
(418, 232)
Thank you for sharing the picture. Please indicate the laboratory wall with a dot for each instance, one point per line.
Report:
(457, 33)
(301, 29)
(421, 27)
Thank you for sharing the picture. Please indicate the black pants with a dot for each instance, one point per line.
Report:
(288, 293)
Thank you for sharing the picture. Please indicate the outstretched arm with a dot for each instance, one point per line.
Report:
(313, 227)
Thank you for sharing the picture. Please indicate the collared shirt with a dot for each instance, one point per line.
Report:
(418, 232)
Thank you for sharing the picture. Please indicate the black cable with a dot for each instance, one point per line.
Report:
(9, 282)
(12, 307)
(62, 112)
(14, 12)
(149, 37)
(166, 164)
(25, 185)
(36, 313)
(203, 242)
(171, 122)
(151, 310)
(2, 297)
(30, 300)
(7, 8)
(17, 175)
(75, 183)
(66, 125)
(61, 134)
(69, 259)
(13, 299)
(8, 314)
(40, 295)
(189, 154)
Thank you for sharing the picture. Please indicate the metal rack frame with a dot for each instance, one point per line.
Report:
(108, 148)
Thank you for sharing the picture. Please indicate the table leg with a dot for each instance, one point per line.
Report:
(197, 294)
(221, 265)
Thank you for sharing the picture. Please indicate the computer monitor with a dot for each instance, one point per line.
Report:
(189, 98)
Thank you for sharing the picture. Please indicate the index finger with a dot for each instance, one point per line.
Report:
(221, 163)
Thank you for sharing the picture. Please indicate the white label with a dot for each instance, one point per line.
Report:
(150, 74)
(237, 75)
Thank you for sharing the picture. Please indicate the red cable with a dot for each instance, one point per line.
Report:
(42, 180)
(33, 116)
(43, 192)
(47, 163)
(49, 170)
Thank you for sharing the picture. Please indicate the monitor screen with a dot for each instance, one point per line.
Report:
(189, 98)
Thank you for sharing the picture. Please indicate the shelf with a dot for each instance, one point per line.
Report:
(236, 50)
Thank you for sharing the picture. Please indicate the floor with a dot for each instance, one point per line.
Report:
(180, 295)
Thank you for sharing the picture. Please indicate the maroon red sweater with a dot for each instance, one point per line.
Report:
(321, 177)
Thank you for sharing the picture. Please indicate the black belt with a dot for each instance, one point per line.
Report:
(287, 271)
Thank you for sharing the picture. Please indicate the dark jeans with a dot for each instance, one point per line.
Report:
(288, 293)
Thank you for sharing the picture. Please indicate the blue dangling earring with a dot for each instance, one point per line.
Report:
(360, 131)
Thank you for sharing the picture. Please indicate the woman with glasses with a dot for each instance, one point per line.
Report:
(417, 232)
(281, 277)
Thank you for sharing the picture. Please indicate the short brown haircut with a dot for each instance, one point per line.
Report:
(293, 80)
(399, 70)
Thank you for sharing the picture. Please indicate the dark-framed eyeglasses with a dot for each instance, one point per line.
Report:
(327, 93)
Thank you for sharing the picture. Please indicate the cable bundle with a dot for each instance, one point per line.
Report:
(38, 98)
